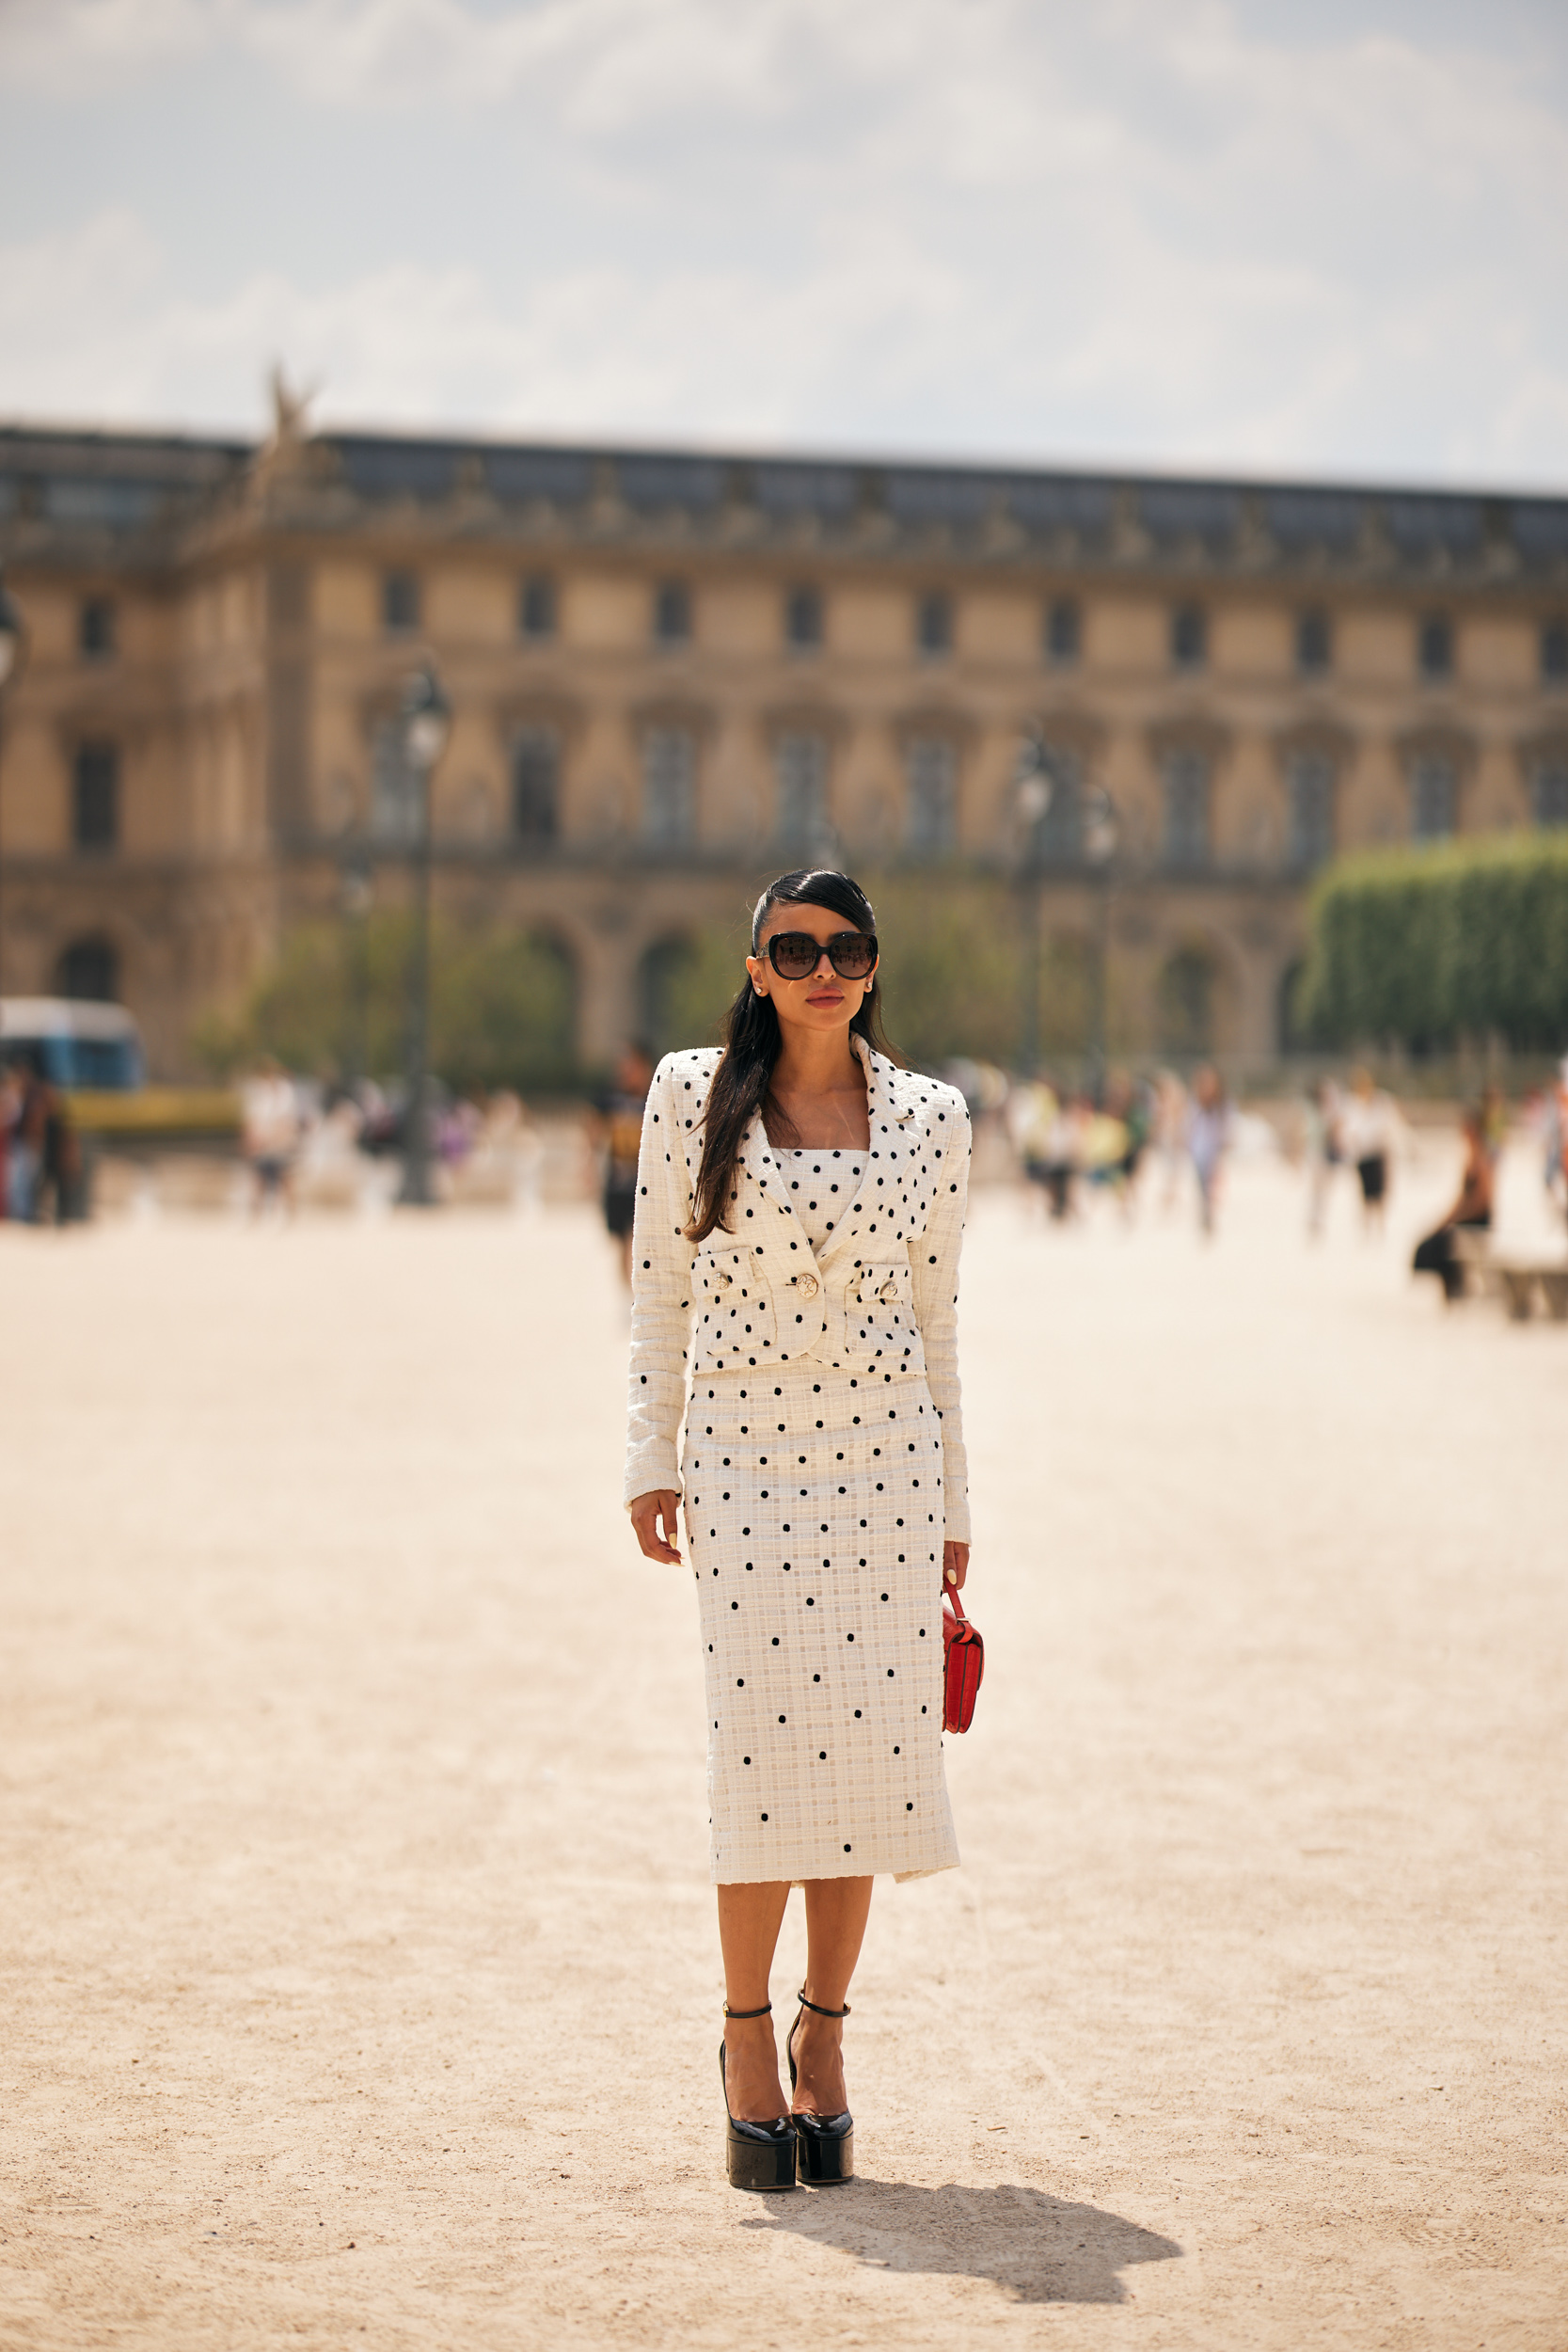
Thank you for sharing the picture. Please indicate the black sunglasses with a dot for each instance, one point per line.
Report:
(794, 955)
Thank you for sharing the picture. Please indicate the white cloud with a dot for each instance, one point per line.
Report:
(1147, 229)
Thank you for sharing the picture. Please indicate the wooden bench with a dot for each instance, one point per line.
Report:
(1526, 1283)
(1472, 1254)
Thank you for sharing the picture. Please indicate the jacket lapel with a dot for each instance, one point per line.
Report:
(757, 1162)
(892, 1104)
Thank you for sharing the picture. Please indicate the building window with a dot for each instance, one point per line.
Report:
(95, 634)
(1064, 632)
(536, 609)
(1186, 784)
(672, 612)
(803, 619)
(669, 786)
(1309, 783)
(1434, 647)
(933, 780)
(1433, 798)
(89, 970)
(95, 797)
(1314, 643)
(535, 784)
(1549, 794)
(1554, 652)
(933, 623)
(400, 603)
(801, 772)
(1189, 637)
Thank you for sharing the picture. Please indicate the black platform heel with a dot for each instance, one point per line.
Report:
(826, 2143)
(759, 2155)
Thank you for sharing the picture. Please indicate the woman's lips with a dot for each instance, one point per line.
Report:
(832, 997)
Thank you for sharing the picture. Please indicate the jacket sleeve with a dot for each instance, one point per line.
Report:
(662, 1259)
(934, 1262)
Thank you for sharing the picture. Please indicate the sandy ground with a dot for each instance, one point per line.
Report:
(359, 1981)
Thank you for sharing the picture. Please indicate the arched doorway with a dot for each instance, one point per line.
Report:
(685, 983)
(1290, 1029)
(1185, 997)
(88, 969)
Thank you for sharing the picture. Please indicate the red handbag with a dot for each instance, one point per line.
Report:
(964, 1657)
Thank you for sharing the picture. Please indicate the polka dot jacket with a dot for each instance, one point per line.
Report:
(878, 1299)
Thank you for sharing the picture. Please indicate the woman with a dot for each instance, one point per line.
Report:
(801, 1203)
(1471, 1213)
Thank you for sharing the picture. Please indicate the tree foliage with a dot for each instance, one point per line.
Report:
(1423, 947)
(334, 999)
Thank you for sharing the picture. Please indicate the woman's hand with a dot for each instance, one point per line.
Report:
(955, 1565)
(651, 1511)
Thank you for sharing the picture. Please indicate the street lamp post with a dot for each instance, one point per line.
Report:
(1033, 786)
(11, 636)
(1101, 828)
(426, 720)
(355, 889)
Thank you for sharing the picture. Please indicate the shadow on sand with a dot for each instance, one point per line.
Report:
(1040, 2249)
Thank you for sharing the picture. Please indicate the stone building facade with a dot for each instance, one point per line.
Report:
(672, 673)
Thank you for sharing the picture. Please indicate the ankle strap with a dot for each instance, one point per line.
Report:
(816, 2008)
(766, 2010)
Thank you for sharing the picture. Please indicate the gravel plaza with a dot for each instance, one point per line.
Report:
(358, 1971)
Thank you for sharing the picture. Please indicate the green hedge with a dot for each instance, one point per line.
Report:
(1423, 947)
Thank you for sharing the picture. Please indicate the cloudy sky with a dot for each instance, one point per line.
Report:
(1324, 237)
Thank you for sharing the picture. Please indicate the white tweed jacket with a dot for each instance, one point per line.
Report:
(879, 1298)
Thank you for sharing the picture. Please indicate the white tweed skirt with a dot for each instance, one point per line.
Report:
(814, 1516)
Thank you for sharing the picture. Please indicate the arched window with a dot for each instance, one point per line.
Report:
(672, 612)
(1310, 784)
(535, 782)
(933, 781)
(1186, 782)
(1186, 1003)
(1434, 797)
(88, 969)
(669, 786)
(800, 770)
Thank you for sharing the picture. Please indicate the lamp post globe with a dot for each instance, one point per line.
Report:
(426, 724)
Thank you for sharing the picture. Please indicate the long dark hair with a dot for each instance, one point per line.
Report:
(751, 1042)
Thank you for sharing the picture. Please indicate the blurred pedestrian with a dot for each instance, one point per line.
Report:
(619, 1122)
(1324, 1152)
(1470, 1212)
(1555, 1135)
(1368, 1134)
(1168, 1134)
(272, 1131)
(10, 1111)
(1209, 1129)
(37, 1103)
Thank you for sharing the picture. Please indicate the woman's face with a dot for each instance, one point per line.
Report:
(822, 1001)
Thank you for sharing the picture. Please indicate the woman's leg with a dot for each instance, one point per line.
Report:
(748, 1921)
(836, 1914)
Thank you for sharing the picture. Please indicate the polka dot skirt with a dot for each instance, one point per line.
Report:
(815, 1525)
